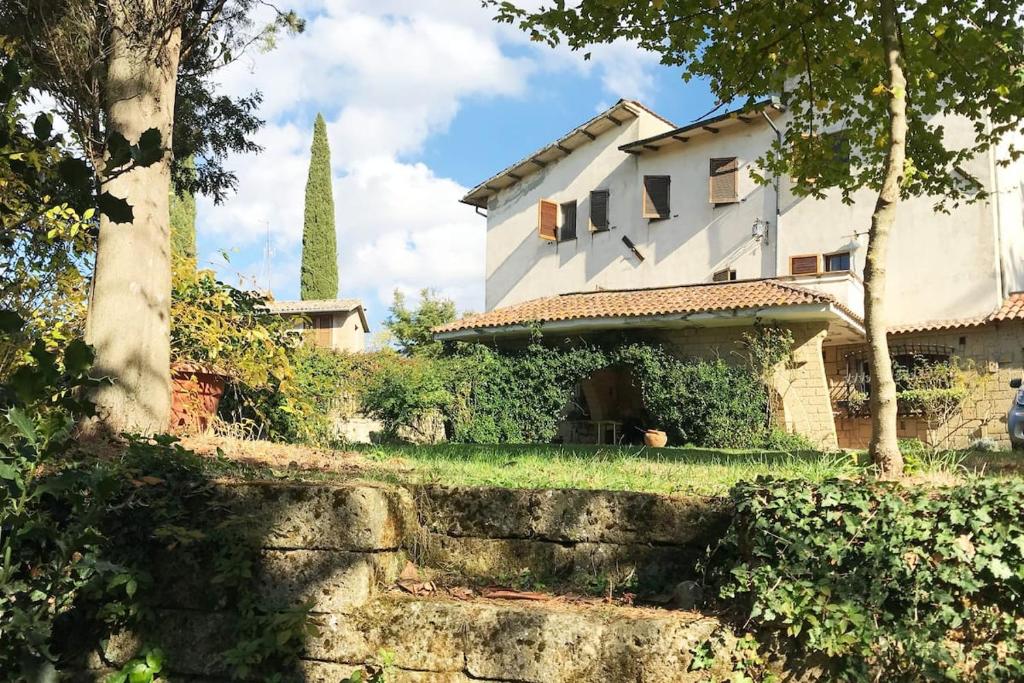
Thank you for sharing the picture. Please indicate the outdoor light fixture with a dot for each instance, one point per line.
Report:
(759, 230)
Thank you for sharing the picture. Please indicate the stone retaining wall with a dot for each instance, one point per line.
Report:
(338, 547)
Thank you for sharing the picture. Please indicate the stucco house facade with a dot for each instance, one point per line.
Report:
(632, 222)
(338, 324)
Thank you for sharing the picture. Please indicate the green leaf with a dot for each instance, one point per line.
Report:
(43, 127)
(75, 173)
(10, 322)
(116, 209)
(78, 357)
(23, 423)
(149, 150)
(119, 152)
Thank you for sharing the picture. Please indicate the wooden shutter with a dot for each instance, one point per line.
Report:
(547, 220)
(723, 183)
(324, 327)
(724, 275)
(803, 265)
(568, 229)
(656, 196)
(599, 210)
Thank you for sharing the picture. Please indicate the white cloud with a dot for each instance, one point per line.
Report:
(387, 75)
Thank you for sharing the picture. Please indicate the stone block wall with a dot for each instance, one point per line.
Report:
(997, 352)
(340, 549)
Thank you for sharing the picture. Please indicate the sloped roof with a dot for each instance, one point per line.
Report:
(745, 115)
(636, 303)
(1011, 309)
(613, 117)
(319, 306)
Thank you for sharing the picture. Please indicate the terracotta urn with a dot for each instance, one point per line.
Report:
(196, 390)
(655, 438)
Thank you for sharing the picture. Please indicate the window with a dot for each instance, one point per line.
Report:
(599, 210)
(723, 183)
(837, 262)
(724, 275)
(804, 265)
(656, 196)
(547, 220)
(820, 152)
(568, 230)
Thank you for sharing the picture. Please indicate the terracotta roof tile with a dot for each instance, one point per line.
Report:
(1011, 309)
(680, 300)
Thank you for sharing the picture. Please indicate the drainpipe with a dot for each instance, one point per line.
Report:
(775, 186)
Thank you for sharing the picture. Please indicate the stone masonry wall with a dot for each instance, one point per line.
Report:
(997, 352)
(339, 548)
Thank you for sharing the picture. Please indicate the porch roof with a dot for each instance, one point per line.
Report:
(707, 303)
(1011, 309)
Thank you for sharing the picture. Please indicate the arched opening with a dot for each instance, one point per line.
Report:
(606, 408)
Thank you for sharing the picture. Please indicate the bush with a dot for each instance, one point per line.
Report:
(403, 392)
(875, 579)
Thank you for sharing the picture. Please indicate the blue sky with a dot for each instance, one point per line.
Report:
(422, 101)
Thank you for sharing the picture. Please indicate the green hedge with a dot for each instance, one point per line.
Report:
(876, 578)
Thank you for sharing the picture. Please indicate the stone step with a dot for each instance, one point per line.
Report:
(444, 640)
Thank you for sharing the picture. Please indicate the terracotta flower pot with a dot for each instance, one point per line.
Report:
(655, 438)
(196, 391)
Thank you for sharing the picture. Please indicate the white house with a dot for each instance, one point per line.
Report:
(632, 221)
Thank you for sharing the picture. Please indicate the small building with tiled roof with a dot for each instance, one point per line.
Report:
(338, 324)
(631, 222)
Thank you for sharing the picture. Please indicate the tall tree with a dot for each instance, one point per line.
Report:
(183, 223)
(319, 240)
(132, 81)
(884, 72)
(412, 328)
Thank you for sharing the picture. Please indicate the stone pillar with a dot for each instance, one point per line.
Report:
(803, 388)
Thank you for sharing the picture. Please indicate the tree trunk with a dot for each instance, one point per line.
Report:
(884, 448)
(129, 310)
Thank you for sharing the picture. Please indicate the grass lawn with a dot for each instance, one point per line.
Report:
(667, 470)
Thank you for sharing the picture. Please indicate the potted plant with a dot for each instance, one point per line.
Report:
(220, 335)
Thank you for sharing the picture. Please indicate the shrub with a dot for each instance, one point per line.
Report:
(875, 579)
(403, 392)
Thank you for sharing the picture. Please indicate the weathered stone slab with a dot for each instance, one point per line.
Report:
(532, 643)
(654, 568)
(425, 635)
(321, 517)
(570, 515)
(329, 580)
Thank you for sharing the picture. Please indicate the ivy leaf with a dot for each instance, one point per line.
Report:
(999, 569)
(78, 356)
(116, 209)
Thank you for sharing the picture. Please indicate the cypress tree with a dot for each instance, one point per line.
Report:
(319, 242)
(183, 224)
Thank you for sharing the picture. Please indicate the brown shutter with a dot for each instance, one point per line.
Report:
(324, 326)
(599, 210)
(723, 183)
(724, 275)
(547, 220)
(568, 229)
(803, 265)
(656, 196)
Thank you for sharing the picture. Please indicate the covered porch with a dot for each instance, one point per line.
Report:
(704, 321)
